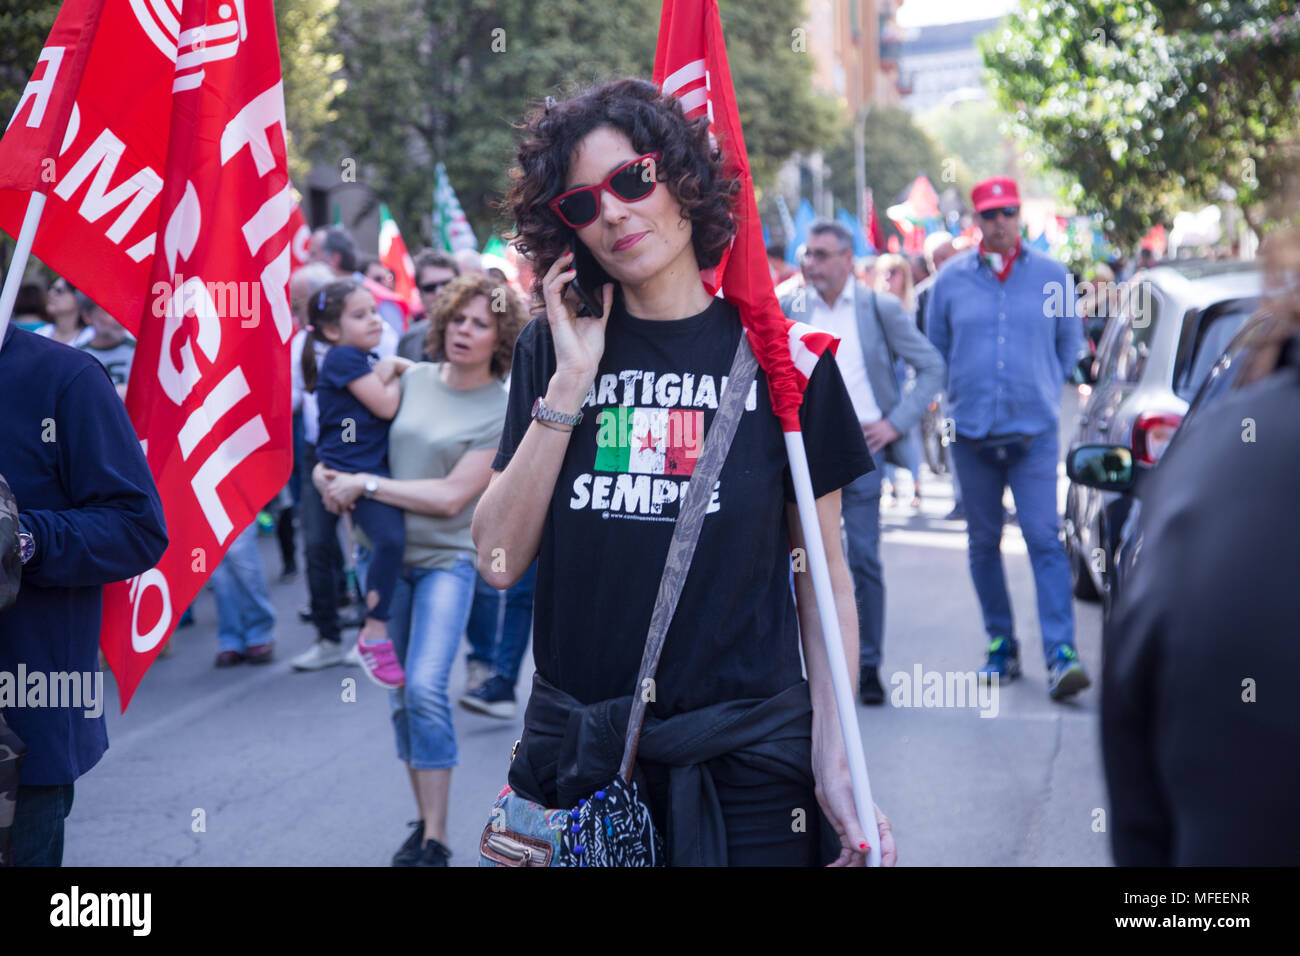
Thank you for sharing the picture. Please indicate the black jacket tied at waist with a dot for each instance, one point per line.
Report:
(570, 750)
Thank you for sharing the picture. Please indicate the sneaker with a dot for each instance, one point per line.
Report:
(408, 854)
(433, 853)
(379, 660)
(958, 513)
(476, 672)
(1003, 660)
(352, 658)
(870, 691)
(494, 697)
(1065, 673)
(320, 655)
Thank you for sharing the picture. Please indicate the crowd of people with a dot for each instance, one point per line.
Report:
(462, 472)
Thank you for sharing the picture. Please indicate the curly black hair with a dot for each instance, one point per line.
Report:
(691, 166)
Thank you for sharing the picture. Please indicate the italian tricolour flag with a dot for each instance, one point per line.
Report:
(393, 254)
(649, 441)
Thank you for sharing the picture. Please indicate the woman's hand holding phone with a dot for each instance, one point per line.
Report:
(579, 342)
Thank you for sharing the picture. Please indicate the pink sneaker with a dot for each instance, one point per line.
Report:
(380, 663)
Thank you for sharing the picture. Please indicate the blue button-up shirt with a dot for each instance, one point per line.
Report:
(1009, 346)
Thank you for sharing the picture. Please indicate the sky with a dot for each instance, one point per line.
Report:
(914, 13)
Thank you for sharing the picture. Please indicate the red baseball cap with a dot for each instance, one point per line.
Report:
(995, 193)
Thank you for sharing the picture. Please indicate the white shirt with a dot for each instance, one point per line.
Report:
(84, 336)
(305, 400)
(841, 320)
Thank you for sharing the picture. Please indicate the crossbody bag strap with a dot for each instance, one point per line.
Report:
(686, 533)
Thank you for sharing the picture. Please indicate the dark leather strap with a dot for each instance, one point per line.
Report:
(686, 533)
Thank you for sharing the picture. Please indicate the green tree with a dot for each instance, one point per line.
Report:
(310, 65)
(897, 151)
(446, 80)
(1152, 103)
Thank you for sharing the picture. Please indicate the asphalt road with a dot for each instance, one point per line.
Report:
(280, 770)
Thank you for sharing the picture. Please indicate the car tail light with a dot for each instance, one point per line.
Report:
(1152, 433)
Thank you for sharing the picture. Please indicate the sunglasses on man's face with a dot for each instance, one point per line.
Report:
(431, 288)
(988, 215)
(60, 287)
(631, 182)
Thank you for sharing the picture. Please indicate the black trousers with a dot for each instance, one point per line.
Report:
(325, 581)
(769, 821)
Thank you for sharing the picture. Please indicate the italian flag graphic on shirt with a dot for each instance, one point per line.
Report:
(649, 441)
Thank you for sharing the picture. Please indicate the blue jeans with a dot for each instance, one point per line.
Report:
(426, 620)
(860, 506)
(38, 824)
(245, 615)
(500, 624)
(1033, 485)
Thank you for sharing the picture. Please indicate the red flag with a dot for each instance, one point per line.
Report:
(393, 254)
(32, 139)
(691, 64)
(875, 234)
(301, 233)
(195, 261)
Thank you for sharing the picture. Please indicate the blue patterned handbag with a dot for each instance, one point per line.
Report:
(613, 827)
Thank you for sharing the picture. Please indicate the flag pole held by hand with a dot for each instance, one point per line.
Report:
(831, 634)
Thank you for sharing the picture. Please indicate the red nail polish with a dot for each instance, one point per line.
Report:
(863, 846)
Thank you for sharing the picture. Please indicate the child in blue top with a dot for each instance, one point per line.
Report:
(357, 402)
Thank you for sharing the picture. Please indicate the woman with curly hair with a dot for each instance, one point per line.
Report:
(440, 447)
(741, 761)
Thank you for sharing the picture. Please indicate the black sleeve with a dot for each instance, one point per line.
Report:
(833, 439)
(530, 374)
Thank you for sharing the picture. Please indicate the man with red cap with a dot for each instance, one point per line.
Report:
(1002, 317)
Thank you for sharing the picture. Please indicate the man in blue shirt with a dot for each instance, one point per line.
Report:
(88, 514)
(1003, 319)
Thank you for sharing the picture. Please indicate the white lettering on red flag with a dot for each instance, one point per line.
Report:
(691, 64)
(172, 208)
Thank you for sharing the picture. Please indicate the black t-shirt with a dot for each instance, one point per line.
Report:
(606, 536)
(352, 437)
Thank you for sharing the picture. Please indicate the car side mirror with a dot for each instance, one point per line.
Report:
(1105, 467)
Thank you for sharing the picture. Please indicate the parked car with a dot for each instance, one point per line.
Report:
(1174, 322)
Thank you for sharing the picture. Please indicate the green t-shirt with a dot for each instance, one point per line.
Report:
(434, 427)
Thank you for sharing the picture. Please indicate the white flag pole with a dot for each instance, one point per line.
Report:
(830, 621)
(18, 265)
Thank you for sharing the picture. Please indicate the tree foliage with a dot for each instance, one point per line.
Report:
(1152, 103)
(896, 150)
(446, 80)
(309, 64)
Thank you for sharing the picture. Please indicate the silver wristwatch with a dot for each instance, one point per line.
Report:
(372, 486)
(26, 546)
(545, 413)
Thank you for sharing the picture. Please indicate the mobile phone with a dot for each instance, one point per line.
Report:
(588, 283)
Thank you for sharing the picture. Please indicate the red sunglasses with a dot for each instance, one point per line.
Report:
(631, 182)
